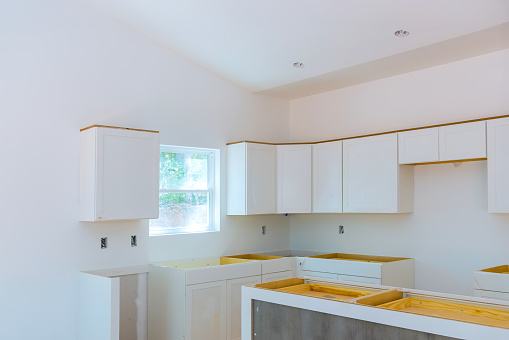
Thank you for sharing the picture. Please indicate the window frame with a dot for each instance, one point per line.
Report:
(212, 189)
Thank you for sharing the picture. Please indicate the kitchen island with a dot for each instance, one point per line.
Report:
(313, 308)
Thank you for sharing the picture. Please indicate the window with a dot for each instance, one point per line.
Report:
(188, 191)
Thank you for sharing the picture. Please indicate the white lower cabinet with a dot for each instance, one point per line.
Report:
(384, 270)
(113, 304)
(198, 299)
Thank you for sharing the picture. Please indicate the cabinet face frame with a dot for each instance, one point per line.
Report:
(418, 146)
(462, 141)
(293, 178)
(328, 177)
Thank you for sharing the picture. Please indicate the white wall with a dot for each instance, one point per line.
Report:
(63, 66)
(450, 233)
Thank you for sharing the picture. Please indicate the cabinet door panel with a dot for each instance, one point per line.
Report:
(293, 178)
(234, 304)
(498, 165)
(127, 174)
(462, 141)
(418, 146)
(261, 179)
(206, 311)
(328, 177)
(370, 174)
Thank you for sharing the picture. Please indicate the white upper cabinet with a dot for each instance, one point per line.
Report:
(119, 174)
(293, 178)
(328, 177)
(251, 177)
(373, 181)
(498, 165)
(462, 141)
(442, 144)
(418, 146)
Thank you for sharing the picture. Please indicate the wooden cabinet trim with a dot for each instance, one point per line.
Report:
(381, 133)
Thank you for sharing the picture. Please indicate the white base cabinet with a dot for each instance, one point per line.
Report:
(198, 299)
(384, 270)
(492, 283)
(113, 304)
(373, 181)
(119, 174)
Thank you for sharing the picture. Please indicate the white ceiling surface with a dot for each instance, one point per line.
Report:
(254, 43)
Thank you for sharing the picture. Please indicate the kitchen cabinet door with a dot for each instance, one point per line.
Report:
(373, 181)
(418, 146)
(206, 311)
(462, 141)
(119, 174)
(251, 177)
(328, 177)
(233, 312)
(498, 165)
(293, 178)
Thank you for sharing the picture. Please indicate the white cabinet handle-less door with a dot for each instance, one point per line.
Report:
(293, 178)
(328, 177)
(373, 181)
(462, 141)
(498, 165)
(206, 311)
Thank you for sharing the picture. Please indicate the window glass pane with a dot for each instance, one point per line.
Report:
(182, 212)
(183, 171)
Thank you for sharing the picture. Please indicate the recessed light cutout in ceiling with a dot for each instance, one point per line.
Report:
(298, 64)
(401, 33)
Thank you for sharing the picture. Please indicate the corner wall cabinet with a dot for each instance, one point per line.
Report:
(373, 181)
(293, 178)
(113, 304)
(328, 177)
(456, 142)
(251, 173)
(498, 165)
(119, 174)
